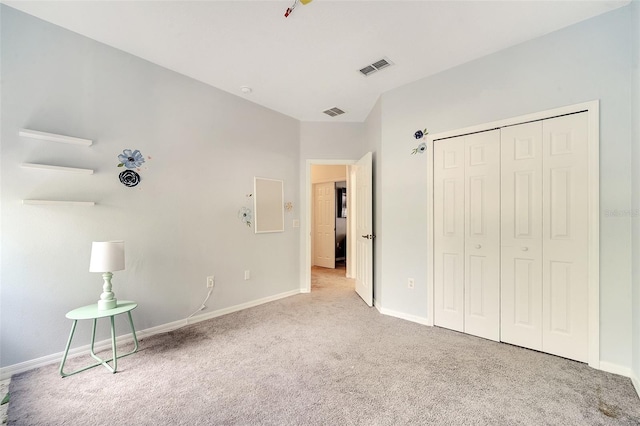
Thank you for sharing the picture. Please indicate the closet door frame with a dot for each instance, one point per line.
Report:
(592, 109)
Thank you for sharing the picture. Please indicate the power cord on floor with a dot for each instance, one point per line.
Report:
(203, 306)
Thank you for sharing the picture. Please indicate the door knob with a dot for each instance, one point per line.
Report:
(369, 237)
(525, 248)
(478, 246)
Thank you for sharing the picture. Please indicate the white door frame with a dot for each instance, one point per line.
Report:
(305, 281)
(593, 110)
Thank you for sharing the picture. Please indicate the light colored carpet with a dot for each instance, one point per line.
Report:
(4, 389)
(324, 359)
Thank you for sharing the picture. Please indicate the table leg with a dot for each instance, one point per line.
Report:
(93, 339)
(66, 350)
(113, 344)
(135, 338)
(104, 362)
(101, 361)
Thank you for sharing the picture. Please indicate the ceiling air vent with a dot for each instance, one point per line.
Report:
(332, 112)
(368, 70)
(376, 66)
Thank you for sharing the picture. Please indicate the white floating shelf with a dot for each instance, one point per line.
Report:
(34, 134)
(58, 203)
(57, 168)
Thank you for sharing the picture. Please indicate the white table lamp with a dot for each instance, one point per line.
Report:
(106, 257)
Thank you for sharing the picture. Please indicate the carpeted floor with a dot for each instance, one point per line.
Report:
(324, 359)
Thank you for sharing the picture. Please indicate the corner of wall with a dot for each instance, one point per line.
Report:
(635, 202)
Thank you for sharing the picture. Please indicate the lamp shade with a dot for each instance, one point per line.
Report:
(107, 256)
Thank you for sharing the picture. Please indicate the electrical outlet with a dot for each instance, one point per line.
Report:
(211, 281)
(247, 274)
(410, 283)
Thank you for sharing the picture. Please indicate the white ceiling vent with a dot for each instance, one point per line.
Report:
(376, 66)
(332, 112)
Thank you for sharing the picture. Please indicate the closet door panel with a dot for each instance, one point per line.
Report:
(482, 235)
(521, 235)
(449, 233)
(565, 237)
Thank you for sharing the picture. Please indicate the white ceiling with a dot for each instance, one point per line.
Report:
(309, 62)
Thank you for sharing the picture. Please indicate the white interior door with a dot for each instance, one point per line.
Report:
(482, 235)
(565, 236)
(448, 216)
(521, 236)
(364, 229)
(325, 225)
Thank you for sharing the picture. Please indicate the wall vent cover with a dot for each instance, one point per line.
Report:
(332, 112)
(376, 66)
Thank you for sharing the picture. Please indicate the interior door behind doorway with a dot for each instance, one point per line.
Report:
(325, 225)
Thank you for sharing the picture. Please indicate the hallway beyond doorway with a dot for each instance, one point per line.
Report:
(327, 277)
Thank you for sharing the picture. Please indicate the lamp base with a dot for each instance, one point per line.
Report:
(104, 305)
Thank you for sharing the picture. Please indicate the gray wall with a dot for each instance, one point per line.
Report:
(180, 224)
(636, 193)
(587, 61)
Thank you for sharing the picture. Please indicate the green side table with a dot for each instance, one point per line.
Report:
(92, 312)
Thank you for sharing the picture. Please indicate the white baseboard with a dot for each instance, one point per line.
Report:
(610, 367)
(10, 370)
(402, 315)
(636, 382)
(241, 307)
(622, 371)
(376, 305)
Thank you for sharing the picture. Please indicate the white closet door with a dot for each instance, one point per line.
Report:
(482, 229)
(565, 236)
(521, 235)
(448, 171)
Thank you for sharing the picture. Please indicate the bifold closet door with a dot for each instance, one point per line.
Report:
(521, 251)
(565, 237)
(482, 235)
(467, 234)
(448, 216)
(544, 282)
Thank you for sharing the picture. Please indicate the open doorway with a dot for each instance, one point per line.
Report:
(326, 175)
(359, 240)
(359, 234)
